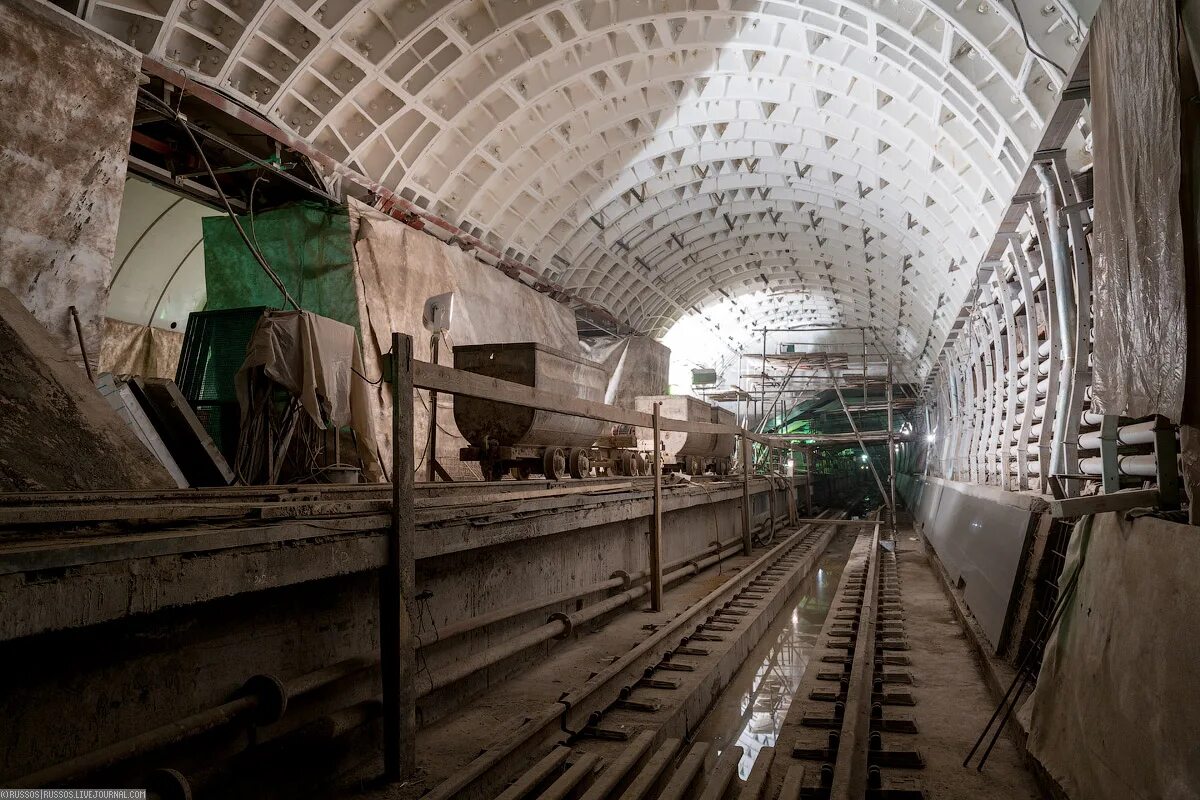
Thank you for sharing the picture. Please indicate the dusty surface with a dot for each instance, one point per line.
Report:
(66, 110)
(448, 744)
(58, 432)
(953, 702)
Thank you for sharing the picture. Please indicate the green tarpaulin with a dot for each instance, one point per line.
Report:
(308, 245)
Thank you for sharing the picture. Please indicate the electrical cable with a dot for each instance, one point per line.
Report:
(1025, 35)
(262, 262)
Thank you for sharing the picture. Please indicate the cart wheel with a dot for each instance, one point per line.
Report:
(554, 463)
(628, 464)
(722, 467)
(578, 462)
(639, 463)
(493, 470)
(520, 472)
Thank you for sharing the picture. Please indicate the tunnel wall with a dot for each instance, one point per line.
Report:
(185, 630)
(983, 537)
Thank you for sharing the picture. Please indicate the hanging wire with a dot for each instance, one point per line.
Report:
(183, 123)
(1025, 35)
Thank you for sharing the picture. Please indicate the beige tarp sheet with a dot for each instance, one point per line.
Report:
(1116, 712)
(1141, 320)
(314, 358)
(130, 349)
(399, 268)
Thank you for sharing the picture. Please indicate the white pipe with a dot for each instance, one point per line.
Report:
(1138, 433)
(1145, 466)
(1043, 351)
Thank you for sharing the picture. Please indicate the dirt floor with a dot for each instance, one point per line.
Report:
(953, 702)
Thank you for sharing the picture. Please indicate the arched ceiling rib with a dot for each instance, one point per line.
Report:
(829, 161)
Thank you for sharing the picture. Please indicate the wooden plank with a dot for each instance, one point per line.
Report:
(437, 378)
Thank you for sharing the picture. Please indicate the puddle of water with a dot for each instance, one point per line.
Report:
(750, 712)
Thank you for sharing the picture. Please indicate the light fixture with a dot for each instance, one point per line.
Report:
(929, 437)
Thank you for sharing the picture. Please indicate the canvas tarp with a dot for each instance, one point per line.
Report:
(399, 268)
(1140, 315)
(144, 350)
(314, 358)
(1117, 705)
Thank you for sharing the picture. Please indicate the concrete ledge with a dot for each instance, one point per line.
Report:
(74, 580)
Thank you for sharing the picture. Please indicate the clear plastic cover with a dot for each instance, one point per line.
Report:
(1140, 316)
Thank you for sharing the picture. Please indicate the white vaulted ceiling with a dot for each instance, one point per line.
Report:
(804, 161)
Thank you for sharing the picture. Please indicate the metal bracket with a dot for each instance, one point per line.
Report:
(1110, 470)
(1166, 455)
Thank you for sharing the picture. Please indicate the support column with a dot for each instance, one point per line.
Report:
(656, 532)
(891, 446)
(747, 466)
(808, 475)
(398, 580)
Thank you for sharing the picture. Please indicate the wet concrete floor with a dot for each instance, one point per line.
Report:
(750, 712)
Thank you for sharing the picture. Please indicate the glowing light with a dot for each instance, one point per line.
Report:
(929, 437)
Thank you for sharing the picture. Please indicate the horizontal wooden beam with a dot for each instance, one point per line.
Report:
(447, 380)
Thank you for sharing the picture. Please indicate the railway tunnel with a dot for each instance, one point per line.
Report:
(585, 399)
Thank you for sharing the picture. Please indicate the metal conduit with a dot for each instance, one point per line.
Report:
(263, 695)
(1140, 466)
(1064, 294)
(561, 625)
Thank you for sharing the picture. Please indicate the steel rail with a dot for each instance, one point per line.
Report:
(850, 770)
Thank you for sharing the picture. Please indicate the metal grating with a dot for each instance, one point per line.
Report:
(1045, 593)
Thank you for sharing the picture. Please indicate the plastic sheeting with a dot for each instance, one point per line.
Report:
(637, 366)
(1117, 704)
(1140, 316)
(398, 269)
(143, 350)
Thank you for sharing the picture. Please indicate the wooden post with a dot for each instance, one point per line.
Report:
(398, 580)
(747, 536)
(431, 456)
(656, 531)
